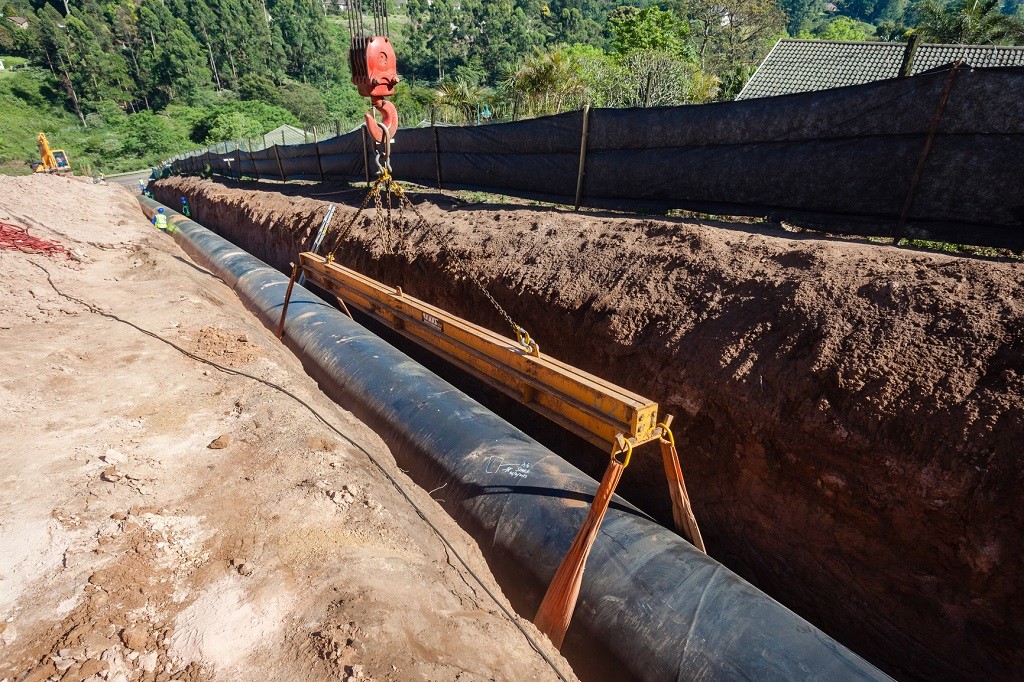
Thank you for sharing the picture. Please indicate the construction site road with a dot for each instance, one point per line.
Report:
(162, 519)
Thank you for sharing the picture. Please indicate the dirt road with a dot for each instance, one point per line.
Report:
(162, 520)
(849, 415)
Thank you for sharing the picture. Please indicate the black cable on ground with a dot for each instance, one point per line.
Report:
(394, 482)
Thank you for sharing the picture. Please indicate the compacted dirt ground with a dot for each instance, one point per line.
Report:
(850, 415)
(162, 520)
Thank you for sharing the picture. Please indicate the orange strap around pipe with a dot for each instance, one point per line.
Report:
(556, 610)
(682, 511)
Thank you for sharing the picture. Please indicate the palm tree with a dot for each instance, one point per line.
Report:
(544, 82)
(971, 22)
(460, 97)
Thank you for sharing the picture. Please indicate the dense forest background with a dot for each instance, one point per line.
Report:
(121, 84)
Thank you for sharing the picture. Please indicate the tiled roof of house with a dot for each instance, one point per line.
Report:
(806, 65)
(978, 56)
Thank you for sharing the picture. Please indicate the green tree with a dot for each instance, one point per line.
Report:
(415, 103)
(574, 22)
(257, 87)
(658, 78)
(59, 54)
(299, 26)
(649, 28)
(232, 125)
(801, 15)
(506, 31)
(731, 41)
(599, 75)
(147, 135)
(544, 82)
(100, 72)
(459, 99)
(215, 123)
(874, 11)
(435, 40)
(173, 59)
(177, 69)
(7, 41)
(845, 28)
(973, 22)
(304, 101)
(344, 103)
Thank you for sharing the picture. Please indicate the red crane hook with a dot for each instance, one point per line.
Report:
(388, 119)
(375, 74)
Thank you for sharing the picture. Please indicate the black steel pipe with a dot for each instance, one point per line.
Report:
(657, 608)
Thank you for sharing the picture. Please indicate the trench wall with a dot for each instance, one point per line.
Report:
(849, 416)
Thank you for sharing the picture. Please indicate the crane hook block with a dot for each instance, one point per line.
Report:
(375, 74)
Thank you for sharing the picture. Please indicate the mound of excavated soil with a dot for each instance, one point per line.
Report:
(163, 520)
(850, 416)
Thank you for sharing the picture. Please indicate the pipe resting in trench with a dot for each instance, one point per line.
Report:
(651, 606)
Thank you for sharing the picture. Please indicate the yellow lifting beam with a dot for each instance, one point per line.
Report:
(589, 406)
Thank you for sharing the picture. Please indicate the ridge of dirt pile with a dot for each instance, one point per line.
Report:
(162, 520)
(849, 416)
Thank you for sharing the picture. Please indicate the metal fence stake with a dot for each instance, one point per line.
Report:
(280, 167)
(437, 158)
(583, 156)
(919, 171)
(319, 164)
(908, 55)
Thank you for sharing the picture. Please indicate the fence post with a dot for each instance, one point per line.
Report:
(238, 160)
(279, 166)
(255, 168)
(919, 171)
(908, 55)
(437, 156)
(283, 141)
(583, 156)
(337, 127)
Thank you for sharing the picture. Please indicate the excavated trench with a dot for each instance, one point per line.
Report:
(849, 415)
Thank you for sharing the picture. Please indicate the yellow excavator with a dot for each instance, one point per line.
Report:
(50, 160)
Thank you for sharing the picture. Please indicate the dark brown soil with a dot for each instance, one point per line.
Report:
(850, 416)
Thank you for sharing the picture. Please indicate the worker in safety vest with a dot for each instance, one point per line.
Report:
(160, 220)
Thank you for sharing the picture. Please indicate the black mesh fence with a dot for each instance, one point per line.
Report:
(936, 156)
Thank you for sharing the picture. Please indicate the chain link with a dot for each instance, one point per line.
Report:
(389, 237)
(522, 336)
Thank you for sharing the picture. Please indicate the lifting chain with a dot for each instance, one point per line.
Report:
(386, 185)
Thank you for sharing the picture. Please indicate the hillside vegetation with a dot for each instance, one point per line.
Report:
(121, 84)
